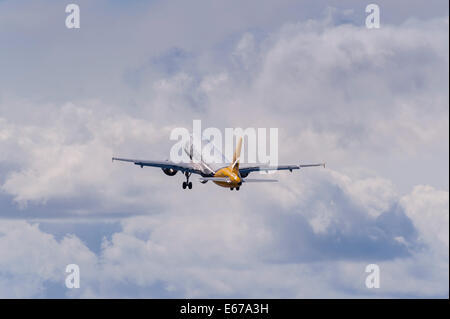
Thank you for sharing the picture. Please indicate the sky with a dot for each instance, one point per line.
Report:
(372, 103)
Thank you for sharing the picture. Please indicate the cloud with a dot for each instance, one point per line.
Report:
(372, 103)
(428, 209)
(237, 251)
(336, 83)
(31, 257)
(63, 157)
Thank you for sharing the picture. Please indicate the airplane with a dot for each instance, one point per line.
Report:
(231, 176)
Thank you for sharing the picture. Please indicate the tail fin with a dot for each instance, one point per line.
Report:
(236, 156)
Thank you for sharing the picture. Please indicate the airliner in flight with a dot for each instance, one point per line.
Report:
(231, 176)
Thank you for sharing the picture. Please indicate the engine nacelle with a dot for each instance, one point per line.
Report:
(244, 175)
(169, 171)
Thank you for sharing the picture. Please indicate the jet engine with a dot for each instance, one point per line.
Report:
(169, 171)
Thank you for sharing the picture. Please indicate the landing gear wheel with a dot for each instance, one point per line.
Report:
(187, 183)
(237, 188)
(231, 188)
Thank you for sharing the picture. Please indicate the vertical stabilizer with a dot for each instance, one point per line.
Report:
(236, 156)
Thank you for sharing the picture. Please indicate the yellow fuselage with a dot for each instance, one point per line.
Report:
(231, 174)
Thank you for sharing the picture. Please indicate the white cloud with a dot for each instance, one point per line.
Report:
(30, 258)
(229, 250)
(372, 104)
(70, 153)
(428, 208)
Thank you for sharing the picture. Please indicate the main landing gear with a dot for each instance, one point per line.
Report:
(237, 188)
(187, 183)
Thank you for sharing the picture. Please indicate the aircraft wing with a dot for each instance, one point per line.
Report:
(183, 167)
(244, 170)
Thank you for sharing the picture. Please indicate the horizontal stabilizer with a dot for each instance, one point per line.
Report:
(313, 165)
(256, 180)
(215, 179)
